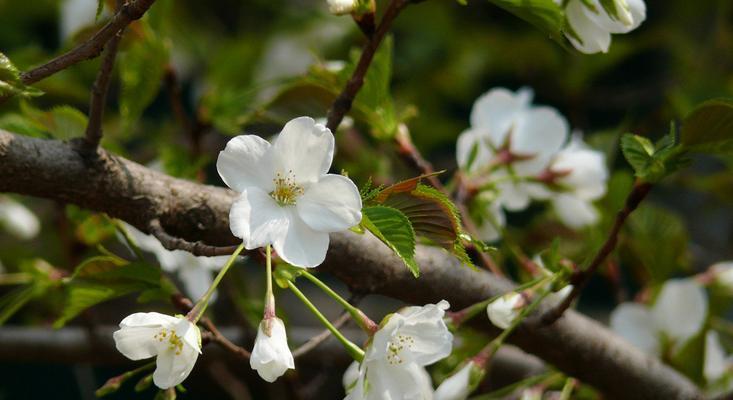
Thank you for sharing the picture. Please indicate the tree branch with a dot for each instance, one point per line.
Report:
(93, 132)
(91, 48)
(123, 189)
(342, 104)
(195, 248)
(581, 276)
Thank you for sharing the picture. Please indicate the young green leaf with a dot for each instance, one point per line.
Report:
(394, 229)
(103, 278)
(651, 163)
(546, 15)
(10, 83)
(709, 128)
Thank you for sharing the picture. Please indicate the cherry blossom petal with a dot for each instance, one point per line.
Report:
(246, 162)
(305, 148)
(494, 220)
(539, 132)
(513, 196)
(257, 219)
(680, 309)
(496, 110)
(716, 364)
(574, 211)
(136, 337)
(330, 205)
(634, 323)
(587, 171)
(456, 386)
(431, 340)
(301, 245)
(593, 38)
(171, 369)
(398, 382)
(473, 140)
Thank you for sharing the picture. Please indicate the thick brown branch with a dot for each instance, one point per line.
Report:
(93, 133)
(581, 277)
(91, 48)
(575, 344)
(342, 104)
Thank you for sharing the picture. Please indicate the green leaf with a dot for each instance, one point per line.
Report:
(10, 83)
(431, 213)
(651, 163)
(374, 100)
(142, 68)
(543, 14)
(103, 278)
(709, 128)
(14, 300)
(394, 229)
(100, 8)
(61, 122)
(90, 228)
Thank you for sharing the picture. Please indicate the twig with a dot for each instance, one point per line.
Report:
(318, 339)
(195, 248)
(581, 277)
(342, 104)
(185, 305)
(91, 48)
(93, 132)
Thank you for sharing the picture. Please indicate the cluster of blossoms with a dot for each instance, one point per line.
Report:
(515, 152)
(591, 22)
(676, 318)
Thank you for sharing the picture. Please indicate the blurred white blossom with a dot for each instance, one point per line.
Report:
(459, 385)
(17, 219)
(677, 315)
(515, 152)
(341, 7)
(76, 14)
(503, 311)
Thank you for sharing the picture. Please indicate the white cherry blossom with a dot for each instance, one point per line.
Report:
(271, 356)
(503, 311)
(194, 272)
(287, 198)
(17, 219)
(393, 366)
(678, 314)
(592, 25)
(175, 341)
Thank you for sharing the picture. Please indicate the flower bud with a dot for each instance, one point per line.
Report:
(504, 310)
(723, 275)
(459, 385)
(271, 356)
(341, 7)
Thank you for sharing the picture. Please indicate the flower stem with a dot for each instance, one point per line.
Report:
(361, 319)
(269, 296)
(198, 310)
(354, 351)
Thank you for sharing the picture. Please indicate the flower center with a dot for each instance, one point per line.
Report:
(395, 347)
(174, 341)
(286, 190)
